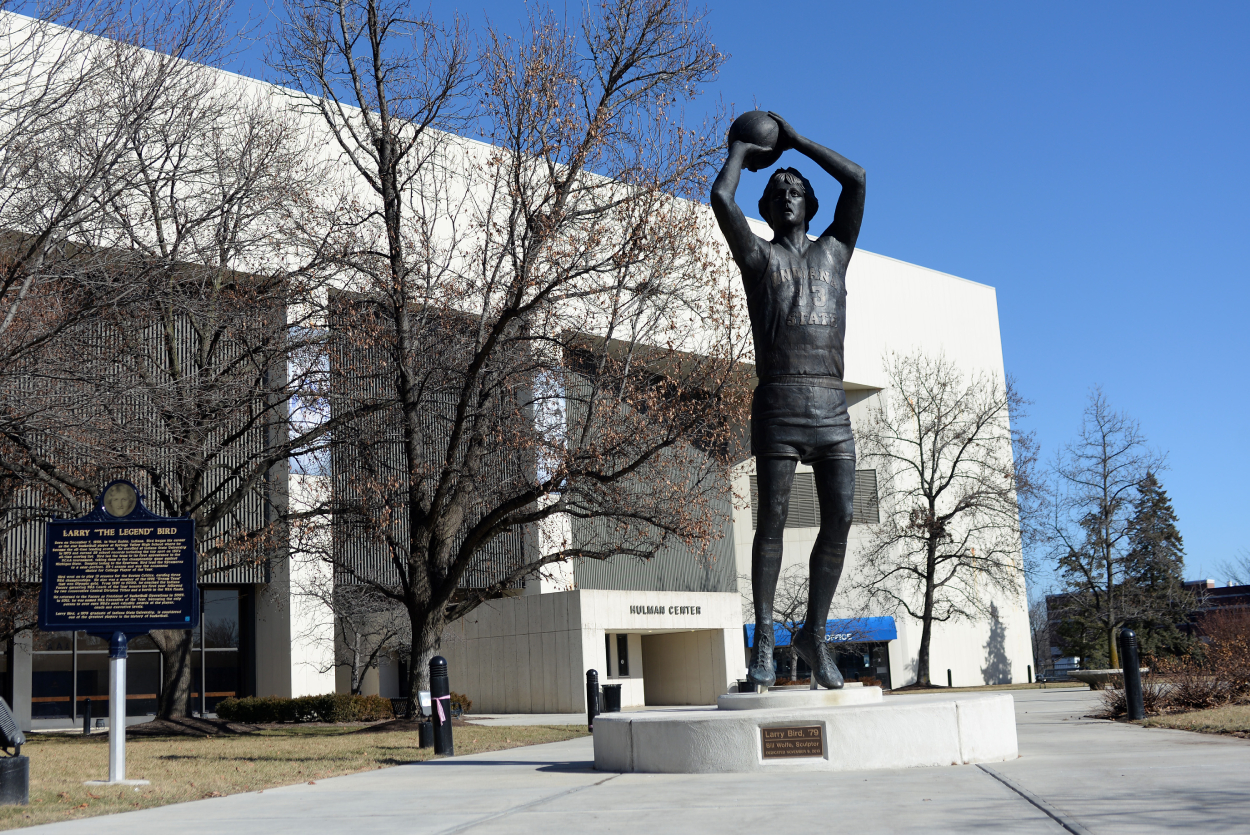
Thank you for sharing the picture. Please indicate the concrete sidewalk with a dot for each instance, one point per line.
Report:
(1074, 775)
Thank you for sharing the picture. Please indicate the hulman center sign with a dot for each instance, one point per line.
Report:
(666, 610)
(120, 568)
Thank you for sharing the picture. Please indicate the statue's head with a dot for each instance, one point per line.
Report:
(787, 189)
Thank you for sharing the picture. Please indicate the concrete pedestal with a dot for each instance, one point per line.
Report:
(791, 699)
(901, 733)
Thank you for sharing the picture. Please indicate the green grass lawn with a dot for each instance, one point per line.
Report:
(190, 768)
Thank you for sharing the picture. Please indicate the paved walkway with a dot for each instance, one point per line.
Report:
(1074, 775)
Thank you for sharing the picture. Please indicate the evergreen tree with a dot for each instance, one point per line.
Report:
(1096, 481)
(1147, 585)
(1154, 566)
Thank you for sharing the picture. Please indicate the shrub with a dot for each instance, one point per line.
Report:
(1154, 696)
(1216, 674)
(462, 701)
(332, 707)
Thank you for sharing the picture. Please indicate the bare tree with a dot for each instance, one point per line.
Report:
(1238, 568)
(65, 125)
(63, 132)
(1039, 631)
(1090, 522)
(949, 539)
(368, 627)
(182, 378)
(550, 333)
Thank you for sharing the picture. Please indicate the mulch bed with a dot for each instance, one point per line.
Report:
(398, 725)
(187, 726)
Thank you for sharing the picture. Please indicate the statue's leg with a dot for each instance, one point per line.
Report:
(835, 488)
(774, 478)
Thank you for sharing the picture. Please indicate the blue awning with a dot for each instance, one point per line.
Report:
(838, 631)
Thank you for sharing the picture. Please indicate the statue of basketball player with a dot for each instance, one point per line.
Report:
(796, 297)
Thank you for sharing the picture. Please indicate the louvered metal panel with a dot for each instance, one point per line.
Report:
(21, 546)
(805, 506)
(867, 511)
(674, 568)
(372, 452)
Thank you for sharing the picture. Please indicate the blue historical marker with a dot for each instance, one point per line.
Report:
(119, 572)
(120, 568)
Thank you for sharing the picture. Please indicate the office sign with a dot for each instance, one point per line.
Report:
(120, 568)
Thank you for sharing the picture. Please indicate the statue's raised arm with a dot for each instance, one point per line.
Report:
(849, 214)
(748, 249)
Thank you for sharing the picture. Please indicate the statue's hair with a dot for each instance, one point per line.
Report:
(789, 176)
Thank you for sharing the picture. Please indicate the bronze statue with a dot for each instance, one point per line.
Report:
(796, 297)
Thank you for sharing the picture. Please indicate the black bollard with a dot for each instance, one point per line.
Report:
(425, 734)
(86, 718)
(1132, 675)
(1030, 669)
(440, 696)
(592, 698)
(948, 679)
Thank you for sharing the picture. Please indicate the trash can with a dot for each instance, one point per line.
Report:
(14, 780)
(611, 698)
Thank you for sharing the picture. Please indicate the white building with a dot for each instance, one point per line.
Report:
(670, 631)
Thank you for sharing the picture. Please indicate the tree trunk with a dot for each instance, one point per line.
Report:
(174, 700)
(1113, 656)
(922, 657)
(425, 641)
(357, 675)
(794, 662)
(926, 620)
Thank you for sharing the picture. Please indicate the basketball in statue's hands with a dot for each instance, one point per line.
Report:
(757, 128)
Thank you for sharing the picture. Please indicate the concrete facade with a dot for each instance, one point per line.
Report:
(530, 653)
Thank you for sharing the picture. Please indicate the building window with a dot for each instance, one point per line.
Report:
(865, 503)
(805, 509)
(69, 668)
(622, 655)
(216, 650)
(864, 662)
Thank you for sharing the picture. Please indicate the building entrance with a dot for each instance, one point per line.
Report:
(684, 668)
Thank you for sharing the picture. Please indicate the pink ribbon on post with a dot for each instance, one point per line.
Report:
(438, 704)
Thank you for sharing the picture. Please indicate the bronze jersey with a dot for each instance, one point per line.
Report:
(798, 311)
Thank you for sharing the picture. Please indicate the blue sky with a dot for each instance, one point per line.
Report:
(1087, 160)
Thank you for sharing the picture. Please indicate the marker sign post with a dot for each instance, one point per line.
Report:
(119, 572)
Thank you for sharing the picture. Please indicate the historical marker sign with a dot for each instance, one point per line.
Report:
(785, 743)
(120, 568)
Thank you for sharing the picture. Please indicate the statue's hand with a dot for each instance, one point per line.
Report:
(748, 148)
(750, 153)
(787, 137)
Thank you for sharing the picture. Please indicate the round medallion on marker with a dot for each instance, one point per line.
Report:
(120, 500)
